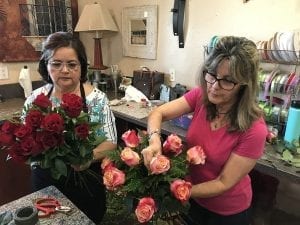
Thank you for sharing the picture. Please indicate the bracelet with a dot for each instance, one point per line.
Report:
(156, 131)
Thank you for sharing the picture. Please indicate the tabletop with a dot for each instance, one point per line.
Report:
(73, 217)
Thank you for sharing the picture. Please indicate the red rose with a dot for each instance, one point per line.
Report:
(113, 177)
(82, 131)
(173, 144)
(23, 131)
(8, 127)
(130, 138)
(72, 104)
(29, 146)
(16, 153)
(42, 101)
(53, 123)
(49, 139)
(6, 139)
(181, 189)
(145, 209)
(34, 118)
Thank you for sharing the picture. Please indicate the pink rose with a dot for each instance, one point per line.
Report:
(145, 209)
(130, 157)
(181, 189)
(196, 155)
(173, 144)
(159, 164)
(106, 163)
(113, 177)
(130, 138)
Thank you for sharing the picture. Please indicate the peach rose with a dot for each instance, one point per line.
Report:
(159, 164)
(113, 177)
(173, 144)
(196, 155)
(145, 209)
(130, 157)
(130, 138)
(106, 163)
(181, 189)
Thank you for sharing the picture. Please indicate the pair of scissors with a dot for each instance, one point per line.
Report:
(48, 206)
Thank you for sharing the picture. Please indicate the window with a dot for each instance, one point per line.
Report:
(43, 17)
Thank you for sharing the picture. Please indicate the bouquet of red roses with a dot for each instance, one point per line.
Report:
(53, 137)
(156, 193)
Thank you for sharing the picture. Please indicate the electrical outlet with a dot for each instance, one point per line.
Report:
(172, 74)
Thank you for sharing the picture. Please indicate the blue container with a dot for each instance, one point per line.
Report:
(292, 130)
(183, 121)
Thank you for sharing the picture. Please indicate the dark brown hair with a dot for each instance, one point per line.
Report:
(58, 40)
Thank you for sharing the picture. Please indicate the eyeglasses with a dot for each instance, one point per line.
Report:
(224, 83)
(58, 65)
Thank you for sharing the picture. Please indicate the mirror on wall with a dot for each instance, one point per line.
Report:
(139, 31)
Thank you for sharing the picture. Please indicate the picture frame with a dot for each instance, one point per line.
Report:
(139, 31)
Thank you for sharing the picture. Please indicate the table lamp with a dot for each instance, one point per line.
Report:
(96, 18)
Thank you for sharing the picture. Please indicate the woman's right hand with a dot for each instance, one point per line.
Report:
(151, 151)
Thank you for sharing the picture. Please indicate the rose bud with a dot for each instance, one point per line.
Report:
(106, 163)
(196, 155)
(113, 177)
(173, 144)
(130, 157)
(82, 131)
(181, 189)
(145, 209)
(131, 139)
(159, 164)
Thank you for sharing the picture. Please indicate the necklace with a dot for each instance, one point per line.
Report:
(219, 122)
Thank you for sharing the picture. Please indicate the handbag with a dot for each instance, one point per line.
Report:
(148, 82)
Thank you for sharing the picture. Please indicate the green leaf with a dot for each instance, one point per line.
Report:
(287, 155)
(61, 167)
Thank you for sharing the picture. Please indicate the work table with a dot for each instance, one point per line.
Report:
(73, 217)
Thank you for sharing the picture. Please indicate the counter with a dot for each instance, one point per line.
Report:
(74, 217)
(135, 116)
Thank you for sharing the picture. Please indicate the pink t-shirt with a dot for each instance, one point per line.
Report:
(218, 145)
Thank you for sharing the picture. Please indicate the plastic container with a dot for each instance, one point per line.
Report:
(183, 121)
(292, 130)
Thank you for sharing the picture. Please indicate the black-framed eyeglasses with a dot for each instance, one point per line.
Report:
(59, 65)
(224, 83)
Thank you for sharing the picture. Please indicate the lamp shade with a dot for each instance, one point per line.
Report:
(95, 17)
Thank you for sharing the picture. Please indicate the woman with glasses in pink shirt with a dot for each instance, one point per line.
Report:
(228, 124)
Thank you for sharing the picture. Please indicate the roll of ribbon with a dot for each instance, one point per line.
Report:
(26, 216)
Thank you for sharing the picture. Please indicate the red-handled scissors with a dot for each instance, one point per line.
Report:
(48, 206)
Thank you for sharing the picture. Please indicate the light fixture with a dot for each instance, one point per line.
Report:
(96, 18)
